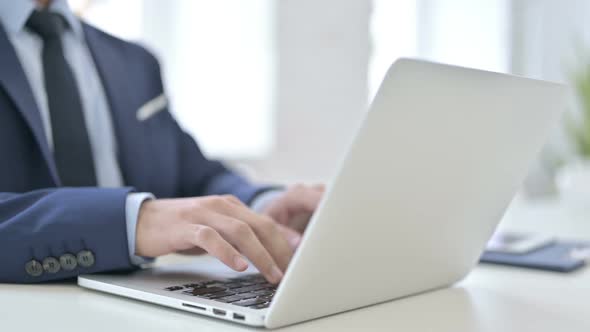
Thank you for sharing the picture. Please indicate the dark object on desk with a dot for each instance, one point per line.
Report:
(559, 256)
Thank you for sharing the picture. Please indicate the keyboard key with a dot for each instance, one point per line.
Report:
(261, 306)
(220, 294)
(245, 296)
(233, 285)
(247, 303)
(237, 297)
(258, 281)
(194, 285)
(243, 289)
(174, 288)
(250, 288)
(251, 276)
(263, 292)
(206, 290)
(209, 282)
(229, 299)
(217, 284)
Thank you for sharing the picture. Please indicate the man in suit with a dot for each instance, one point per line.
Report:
(96, 175)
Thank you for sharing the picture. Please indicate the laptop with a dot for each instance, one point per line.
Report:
(434, 164)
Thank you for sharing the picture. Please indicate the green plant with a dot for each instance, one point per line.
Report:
(579, 126)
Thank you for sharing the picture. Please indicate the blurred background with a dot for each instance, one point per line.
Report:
(278, 87)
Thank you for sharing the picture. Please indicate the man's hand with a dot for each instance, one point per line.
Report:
(292, 210)
(222, 226)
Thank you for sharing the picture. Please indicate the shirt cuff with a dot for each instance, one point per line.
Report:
(132, 206)
(262, 200)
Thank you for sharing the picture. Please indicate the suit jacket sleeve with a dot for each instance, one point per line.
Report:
(202, 176)
(53, 222)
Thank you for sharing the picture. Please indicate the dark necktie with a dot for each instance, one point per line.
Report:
(71, 146)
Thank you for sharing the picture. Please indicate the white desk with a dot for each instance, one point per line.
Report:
(492, 298)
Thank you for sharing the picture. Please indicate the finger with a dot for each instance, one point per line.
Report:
(278, 212)
(271, 237)
(299, 221)
(241, 235)
(268, 233)
(319, 187)
(293, 237)
(233, 199)
(211, 241)
(303, 199)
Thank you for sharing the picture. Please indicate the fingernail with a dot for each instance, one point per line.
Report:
(240, 264)
(276, 274)
(294, 242)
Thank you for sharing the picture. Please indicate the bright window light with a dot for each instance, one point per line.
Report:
(393, 32)
(466, 33)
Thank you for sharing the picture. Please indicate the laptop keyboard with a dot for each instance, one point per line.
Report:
(252, 291)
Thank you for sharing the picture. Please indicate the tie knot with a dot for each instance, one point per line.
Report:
(46, 24)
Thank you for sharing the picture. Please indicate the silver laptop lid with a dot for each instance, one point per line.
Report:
(441, 153)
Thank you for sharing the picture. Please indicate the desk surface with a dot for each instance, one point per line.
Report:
(491, 298)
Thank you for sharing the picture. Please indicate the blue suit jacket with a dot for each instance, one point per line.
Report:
(39, 218)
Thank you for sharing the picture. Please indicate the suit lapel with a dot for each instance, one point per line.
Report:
(130, 142)
(14, 82)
